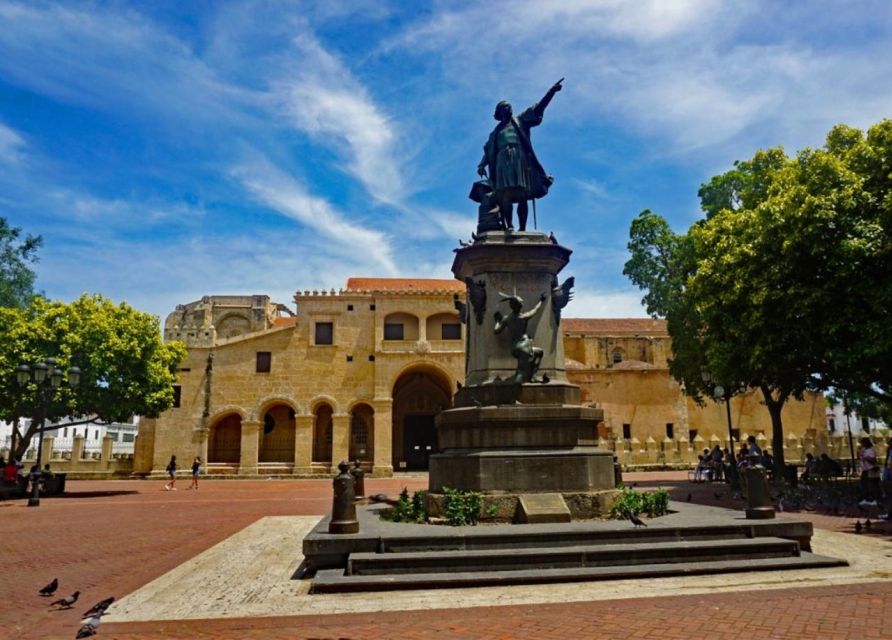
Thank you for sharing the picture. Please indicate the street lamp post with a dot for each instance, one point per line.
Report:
(719, 392)
(48, 378)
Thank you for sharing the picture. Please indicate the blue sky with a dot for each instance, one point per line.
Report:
(166, 150)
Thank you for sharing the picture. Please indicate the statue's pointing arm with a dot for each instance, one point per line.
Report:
(539, 109)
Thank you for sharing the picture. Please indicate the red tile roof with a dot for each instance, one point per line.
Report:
(403, 285)
(615, 326)
(284, 321)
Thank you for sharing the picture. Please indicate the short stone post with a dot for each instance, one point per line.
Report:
(77, 448)
(48, 448)
(343, 508)
(358, 479)
(107, 451)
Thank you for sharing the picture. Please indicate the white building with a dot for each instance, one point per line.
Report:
(123, 435)
(838, 423)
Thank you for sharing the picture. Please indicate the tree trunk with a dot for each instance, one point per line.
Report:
(25, 439)
(777, 428)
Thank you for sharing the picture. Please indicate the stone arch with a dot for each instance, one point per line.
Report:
(362, 432)
(323, 428)
(266, 403)
(435, 368)
(435, 322)
(232, 325)
(323, 399)
(410, 325)
(225, 438)
(419, 393)
(278, 428)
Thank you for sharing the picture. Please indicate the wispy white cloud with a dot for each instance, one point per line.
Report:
(322, 97)
(12, 146)
(288, 197)
(615, 303)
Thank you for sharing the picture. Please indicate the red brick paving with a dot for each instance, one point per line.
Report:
(110, 538)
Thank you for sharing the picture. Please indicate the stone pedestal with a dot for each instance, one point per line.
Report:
(504, 437)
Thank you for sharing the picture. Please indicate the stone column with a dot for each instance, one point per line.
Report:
(340, 438)
(77, 449)
(383, 454)
(250, 447)
(47, 449)
(106, 451)
(303, 443)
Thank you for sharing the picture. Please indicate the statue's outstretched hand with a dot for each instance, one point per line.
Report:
(557, 86)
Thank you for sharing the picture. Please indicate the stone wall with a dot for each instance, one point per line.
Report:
(79, 464)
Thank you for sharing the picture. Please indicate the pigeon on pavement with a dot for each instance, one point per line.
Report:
(99, 607)
(90, 627)
(638, 522)
(858, 526)
(50, 589)
(67, 602)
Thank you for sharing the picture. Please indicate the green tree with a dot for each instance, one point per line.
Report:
(16, 279)
(126, 369)
(783, 286)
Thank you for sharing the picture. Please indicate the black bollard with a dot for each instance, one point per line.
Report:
(343, 508)
(758, 498)
(358, 479)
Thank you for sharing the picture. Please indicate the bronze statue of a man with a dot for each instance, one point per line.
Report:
(528, 356)
(508, 155)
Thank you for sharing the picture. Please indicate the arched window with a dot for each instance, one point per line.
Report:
(617, 356)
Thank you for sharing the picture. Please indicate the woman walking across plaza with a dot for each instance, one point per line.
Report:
(172, 474)
(196, 470)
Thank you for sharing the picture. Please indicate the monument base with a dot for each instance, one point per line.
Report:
(522, 471)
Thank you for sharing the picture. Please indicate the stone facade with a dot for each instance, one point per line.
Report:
(263, 392)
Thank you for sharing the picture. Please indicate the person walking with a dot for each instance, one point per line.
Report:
(870, 473)
(172, 474)
(196, 470)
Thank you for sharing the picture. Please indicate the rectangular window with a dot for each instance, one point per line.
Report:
(177, 395)
(371, 307)
(393, 331)
(96, 434)
(65, 432)
(371, 358)
(264, 361)
(627, 432)
(113, 435)
(692, 433)
(832, 424)
(127, 437)
(349, 307)
(349, 358)
(450, 331)
(324, 333)
(670, 430)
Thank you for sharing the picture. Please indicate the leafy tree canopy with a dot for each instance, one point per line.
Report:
(16, 279)
(784, 285)
(126, 369)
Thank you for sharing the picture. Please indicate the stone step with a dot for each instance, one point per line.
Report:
(598, 555)
(334, 580)
(560, 536)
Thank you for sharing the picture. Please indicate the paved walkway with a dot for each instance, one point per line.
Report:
(111, 538)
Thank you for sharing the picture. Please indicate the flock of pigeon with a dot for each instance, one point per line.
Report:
(91, 618)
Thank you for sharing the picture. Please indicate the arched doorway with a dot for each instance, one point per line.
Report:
(418, 396)
(277, 435)
(362, 433)
(225, 440)
(322, 434)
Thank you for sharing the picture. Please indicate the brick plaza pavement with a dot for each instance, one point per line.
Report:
(110, 538)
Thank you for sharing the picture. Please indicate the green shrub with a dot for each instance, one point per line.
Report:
(408, 509)
(653, 503)
(462, 507)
